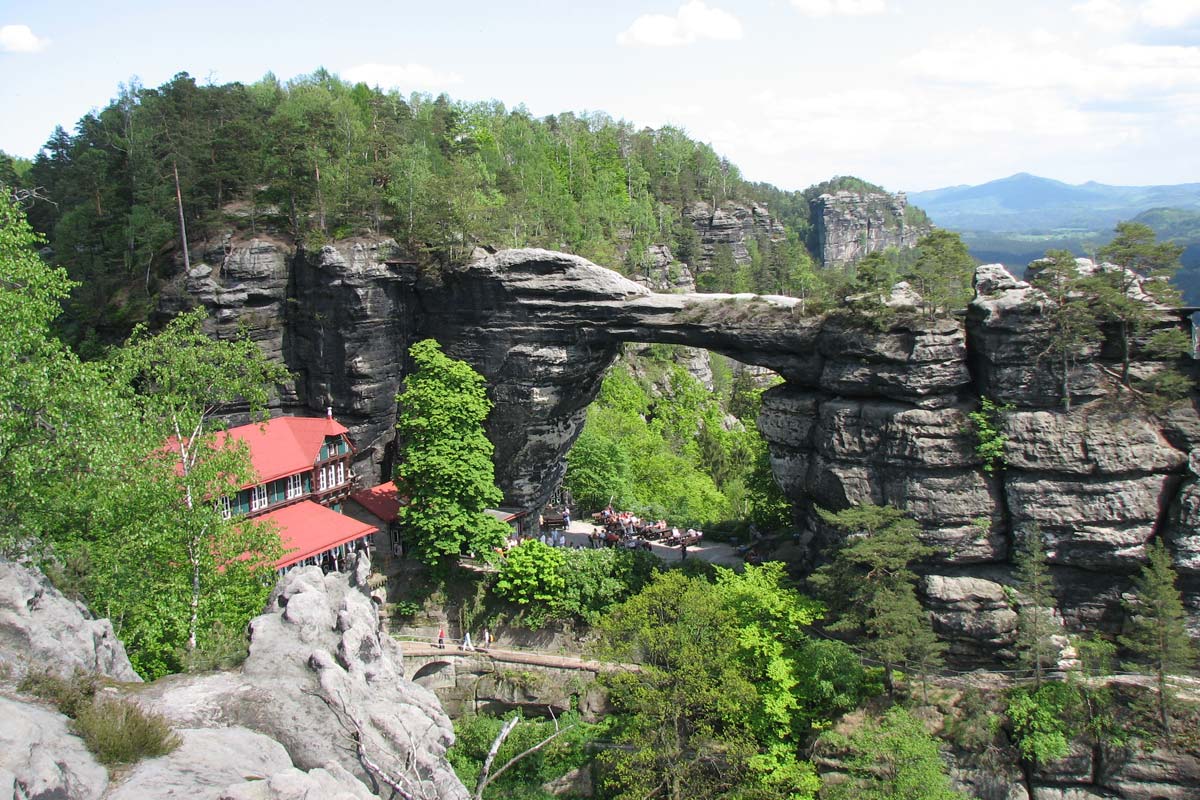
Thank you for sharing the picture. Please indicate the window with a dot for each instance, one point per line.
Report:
(341, 472)
(324, 479)
(295, 486)
(258, 498)
(226, 507)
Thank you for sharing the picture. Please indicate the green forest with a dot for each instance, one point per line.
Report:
(317, 159)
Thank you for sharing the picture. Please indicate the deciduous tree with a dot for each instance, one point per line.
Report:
(445, 471)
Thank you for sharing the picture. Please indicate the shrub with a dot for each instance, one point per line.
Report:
(987, 425)
(1041, 720)
(120, 732)
(116, 731)
(69, 695)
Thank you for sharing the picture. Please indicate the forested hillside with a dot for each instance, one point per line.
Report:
(317, 159)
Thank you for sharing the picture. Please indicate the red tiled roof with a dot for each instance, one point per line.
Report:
(307, 529)
(283, 445)
(383, 500)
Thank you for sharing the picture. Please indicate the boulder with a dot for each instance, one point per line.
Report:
(41, 758)
(41, 629)
(332, 782)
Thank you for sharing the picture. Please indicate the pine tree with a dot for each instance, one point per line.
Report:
(1035, 625)
(871, 583)
(1073, 322)
(1157, 631)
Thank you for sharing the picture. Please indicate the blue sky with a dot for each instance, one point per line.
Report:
(913, 94)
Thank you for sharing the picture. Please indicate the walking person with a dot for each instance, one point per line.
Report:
(466, 642)
(441, 638)
(485, 641)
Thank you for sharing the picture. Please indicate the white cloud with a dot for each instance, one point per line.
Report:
(20, 39)
(401, 76)
(1169, 13)
(693, 22)
(1107, 15)
(1087, 74)
(845, 8)
(1043, 37)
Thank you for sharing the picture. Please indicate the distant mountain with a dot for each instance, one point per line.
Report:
(1025, 203)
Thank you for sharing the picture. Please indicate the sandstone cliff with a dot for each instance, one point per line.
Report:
(849, 225)
(866, 413)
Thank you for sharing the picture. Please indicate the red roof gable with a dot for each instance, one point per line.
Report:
(383, 500)
(284, 445)
(307, 529)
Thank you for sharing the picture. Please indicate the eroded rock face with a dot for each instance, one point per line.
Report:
(852, 224)
(867, 414)
(42, 630)
(319, 676)
(731, 225)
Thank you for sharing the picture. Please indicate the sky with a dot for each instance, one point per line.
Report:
(910, 94)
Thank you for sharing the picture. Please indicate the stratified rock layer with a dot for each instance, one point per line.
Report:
(869, 411)
(849, 225)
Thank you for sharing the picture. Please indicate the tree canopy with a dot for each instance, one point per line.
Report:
(445, 471)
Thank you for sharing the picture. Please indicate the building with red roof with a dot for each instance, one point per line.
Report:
(303, 475)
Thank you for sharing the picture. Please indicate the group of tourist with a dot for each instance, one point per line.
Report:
(624, 528)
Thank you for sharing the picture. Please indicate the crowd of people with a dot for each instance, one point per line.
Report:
(626, 529)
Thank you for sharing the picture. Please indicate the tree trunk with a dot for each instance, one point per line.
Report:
(187, 260)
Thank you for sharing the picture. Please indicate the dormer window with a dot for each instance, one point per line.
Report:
(258, 498)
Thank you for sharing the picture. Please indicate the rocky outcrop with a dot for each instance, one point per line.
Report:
(323, 683)
(869, 411)
(731, 225)
(41, 758)
(321, 696)
(849, 225)
(42, 630)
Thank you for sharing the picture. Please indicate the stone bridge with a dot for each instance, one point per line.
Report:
(500, 679)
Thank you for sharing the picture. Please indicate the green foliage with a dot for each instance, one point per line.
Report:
(531, 574)
(595, 580)
(656, 454)
(118, 731)
(869, 583)
(1072, 317)
(317, 158)
(1041, 720)
(474, 735)
(987, 424)
(890, 758)
(69, 695)
(713, 711)
(446, 470)
(87, 484)
(1156, 632)
(942, 273)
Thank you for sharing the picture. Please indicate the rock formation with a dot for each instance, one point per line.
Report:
(867, 413)
(849, 225)
(733, 225)
(42, 630)
(321, 696)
